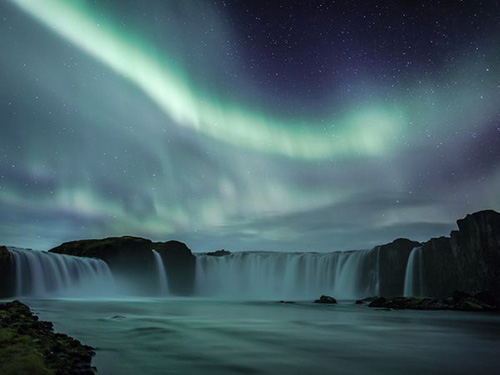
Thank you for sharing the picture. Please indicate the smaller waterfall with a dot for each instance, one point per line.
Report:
(42, 274)
(414, 277)
(161, 272)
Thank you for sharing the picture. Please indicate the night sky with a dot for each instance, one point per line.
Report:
(247, 125)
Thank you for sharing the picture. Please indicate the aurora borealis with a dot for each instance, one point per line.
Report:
(262, 125)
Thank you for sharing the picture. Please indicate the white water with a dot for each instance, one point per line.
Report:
(42, 274)
(161, 273)
(414, 276)
(266, 275)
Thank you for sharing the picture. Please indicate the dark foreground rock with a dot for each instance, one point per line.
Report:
(459, 301)
(365, 301)
(326, 300)
(132, 258)
(30, 347)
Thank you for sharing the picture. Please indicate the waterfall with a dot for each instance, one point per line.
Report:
(42, 274)
(414, 276)
(266, 275)
(162, 274)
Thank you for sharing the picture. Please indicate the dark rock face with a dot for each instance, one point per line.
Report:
(468, 260)
(326, 300)
(476, 251)
(460, 301)
(392, 259)
(219, 253)
(365, 301)
(132, 257)
(439, 269)
(30, 346)
(6, 271)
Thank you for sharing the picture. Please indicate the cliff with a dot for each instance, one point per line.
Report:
(391, 261)
(476, 251)
(132, 258)
(6, 272)
(468, 260)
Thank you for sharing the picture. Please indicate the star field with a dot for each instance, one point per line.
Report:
(304, 125)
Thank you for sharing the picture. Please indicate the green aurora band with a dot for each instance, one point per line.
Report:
(248, 165)
(368, 131)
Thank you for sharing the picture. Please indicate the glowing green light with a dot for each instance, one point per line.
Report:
(366, 132)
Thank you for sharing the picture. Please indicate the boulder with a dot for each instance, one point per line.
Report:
(326, 300)
(365, 301)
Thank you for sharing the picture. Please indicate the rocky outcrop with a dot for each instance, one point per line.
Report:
(440, 273)
(5, 272)
(460, 301)
(468, 260)
(326, 300)
(30, 346)
(132, 258)
(476, 251)
(218, 253)
(391, 262)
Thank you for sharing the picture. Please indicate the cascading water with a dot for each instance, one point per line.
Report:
(161, 272)
(414, 276)
(265, 275)
(42, 274)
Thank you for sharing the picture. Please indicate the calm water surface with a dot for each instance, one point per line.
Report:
(197, 337)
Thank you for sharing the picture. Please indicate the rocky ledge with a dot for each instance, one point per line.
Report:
(29, 346)
(459, 301)
(219, 253)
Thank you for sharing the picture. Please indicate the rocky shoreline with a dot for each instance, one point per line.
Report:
(30, 346)
(459, 301)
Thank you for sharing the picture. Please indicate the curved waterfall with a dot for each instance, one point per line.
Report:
(414, 276)
(42, 274)
(266, 275)
(161, 273)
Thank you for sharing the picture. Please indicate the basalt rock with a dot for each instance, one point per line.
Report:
(6, 271)
(132, 258)
(468, 260)
(30, 346)
(391, 262)
(326, 300)
(365, 301)
(219, 253)
(476, 251)
(459, 301)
